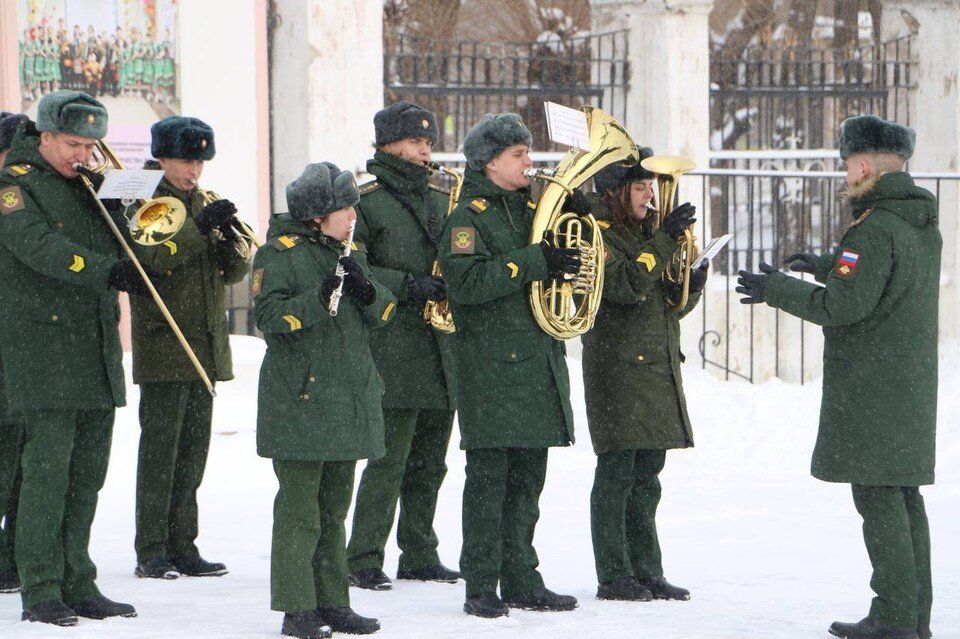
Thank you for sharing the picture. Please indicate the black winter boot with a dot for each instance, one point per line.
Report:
(542, 600)
(9, 581)
(660, 588)
(623, 589)
(345, 620)
(488, 606)
(197, 566)
(370, 579)
(438, 572)
(305, 625)
(100, 607)
(867, 628)
(156, 568)
(53, 612)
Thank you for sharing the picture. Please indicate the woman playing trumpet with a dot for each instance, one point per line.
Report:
(631, 370)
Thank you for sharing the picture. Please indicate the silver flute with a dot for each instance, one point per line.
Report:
(338, 292)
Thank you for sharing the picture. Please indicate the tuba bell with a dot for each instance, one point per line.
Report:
(438, 314)
(669, 168)
(567, 309)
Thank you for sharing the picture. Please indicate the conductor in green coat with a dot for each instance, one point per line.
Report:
(636, 409)
(876, 297)
(318, 408)
(398, 220)
(176, 409)
(61, 351)
(513, 387)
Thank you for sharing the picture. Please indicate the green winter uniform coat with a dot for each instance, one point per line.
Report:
(194, 271)
(513, 387)
(393, 222)
(878, 308)
(319, 396)
(58, 317)
(631, 357)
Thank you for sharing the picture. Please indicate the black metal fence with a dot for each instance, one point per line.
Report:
(796, 98)
(461, 81)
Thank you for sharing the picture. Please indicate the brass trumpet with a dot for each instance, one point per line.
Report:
(438, 314)
(243, 236)
(669, 168)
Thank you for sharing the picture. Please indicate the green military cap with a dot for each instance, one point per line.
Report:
(320, 190)
(491, 136)
(72, 112)
(182, 138)
(870, 134)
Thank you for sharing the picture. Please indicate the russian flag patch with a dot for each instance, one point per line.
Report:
(846, 264)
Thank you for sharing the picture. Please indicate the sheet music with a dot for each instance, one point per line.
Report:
(130, 184)
(710, 250)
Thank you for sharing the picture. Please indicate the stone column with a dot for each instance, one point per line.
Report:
(326, 84)
(935, 115)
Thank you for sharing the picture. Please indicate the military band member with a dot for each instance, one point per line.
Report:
(398, 220)
(176, 408)
(636, 408)
(877, 299)
(11, 428)
(319, 399)
(61, 352)
(513, 393)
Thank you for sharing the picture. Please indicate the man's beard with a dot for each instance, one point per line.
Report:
(860, 189)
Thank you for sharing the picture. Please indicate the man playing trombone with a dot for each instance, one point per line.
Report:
(61, 351)
(176, 408)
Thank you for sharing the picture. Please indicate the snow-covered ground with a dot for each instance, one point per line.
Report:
(766, 550)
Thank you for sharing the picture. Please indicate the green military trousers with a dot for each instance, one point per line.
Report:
(897, 536)
(308, 561)
(623, 512)
(11, 447)
(174, 440)
(64, 465)
(412, 471)
(500, 513)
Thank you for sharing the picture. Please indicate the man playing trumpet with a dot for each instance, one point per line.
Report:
(175, 407)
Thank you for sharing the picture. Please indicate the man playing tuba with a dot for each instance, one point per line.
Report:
(514, 390)
(175, 407)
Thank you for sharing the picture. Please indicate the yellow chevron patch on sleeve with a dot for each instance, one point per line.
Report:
(170, 244)
(514, 269)
(293, 321)
(78, 264)
(387, 311)
(648, 260)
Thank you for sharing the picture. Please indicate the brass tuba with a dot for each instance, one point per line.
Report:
(567, 309)
(438, 314)
(669, 168)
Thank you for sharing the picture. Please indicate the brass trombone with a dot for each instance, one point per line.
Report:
(669, 168)
(150, 210)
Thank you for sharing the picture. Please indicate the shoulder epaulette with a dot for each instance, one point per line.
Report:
(861, 217)
(440, 188)
(285, 242)
(603, 224)
(358, 247)
(369, 187)
(531, 205)
(17, 170)
(478, 205)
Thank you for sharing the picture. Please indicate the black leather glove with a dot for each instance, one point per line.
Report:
(560, 261)
(698, 277)
(327, 287)
(421, 289)
(802, 262)
(676, 223)
(217, 214)
(577, 202)
(754, 285)
(125, 277)
(355, 283)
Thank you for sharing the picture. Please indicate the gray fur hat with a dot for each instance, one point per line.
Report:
(320, 190)
(870, 134)
(491, 136)
(8, 126)
(72, 112)
(182, 138)
(404, 120)
(612, 177)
